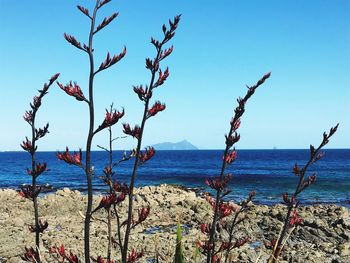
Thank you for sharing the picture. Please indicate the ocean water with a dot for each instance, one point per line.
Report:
(269, 172)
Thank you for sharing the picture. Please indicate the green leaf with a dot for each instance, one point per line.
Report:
(179, 254)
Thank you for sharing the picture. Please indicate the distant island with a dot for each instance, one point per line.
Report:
(183, 145)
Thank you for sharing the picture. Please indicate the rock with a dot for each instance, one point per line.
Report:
(323, 237)
(344, 249)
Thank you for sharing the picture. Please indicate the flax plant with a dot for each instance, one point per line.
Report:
(292, 219)
(73, 89)
(32, 191)
(222, 210)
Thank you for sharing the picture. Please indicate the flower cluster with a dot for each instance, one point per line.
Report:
(135, 132)
(134, 256)
(61, 252)
(27, 146)
(30, 255)
(218, 183)
(144, 94)
(230, 157)
(111, 199)
(225, 246)
(38, 169)
(28, 117)
(72, 40)
(73, 89)
(143, 214)
(112, 117)
(69, 158)
(41, 132)
(157, 107)
(232, 139)
(37, 99)
(111, 61)
(161, 77)
(41, 227)
(30, 192)
(147, 154)
(121, 188)
(295, 220)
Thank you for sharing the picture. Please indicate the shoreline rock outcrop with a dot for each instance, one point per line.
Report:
(324, 235)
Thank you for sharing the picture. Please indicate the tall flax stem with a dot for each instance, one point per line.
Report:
(236, 118)
(136, 164)
(88, 170)
(35, 198)
(302, 184)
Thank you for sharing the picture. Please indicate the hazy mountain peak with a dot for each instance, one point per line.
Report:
(182, 145)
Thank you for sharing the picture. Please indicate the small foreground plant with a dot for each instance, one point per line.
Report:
(179, 253)
(116, 192)
(32, 191)
(292, 219)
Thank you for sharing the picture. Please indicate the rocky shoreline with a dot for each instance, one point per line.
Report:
(323, 237)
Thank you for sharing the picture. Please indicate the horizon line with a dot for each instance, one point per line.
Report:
(208, 149)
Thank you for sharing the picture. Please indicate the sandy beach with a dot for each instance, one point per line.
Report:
(324, 235)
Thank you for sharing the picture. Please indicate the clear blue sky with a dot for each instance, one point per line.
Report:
(219, 47)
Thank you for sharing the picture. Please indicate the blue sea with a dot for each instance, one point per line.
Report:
(269, 172)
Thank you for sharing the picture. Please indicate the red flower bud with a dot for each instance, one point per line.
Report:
(28, 116)
(155, 42)
(211, 200)
(29, 192)
(232, 139)
(41, 228)
(136, 132)
(30, 255)
(295, 220)
(157, 107)
(73, 89)
(112, 117)
(134, 256)
(39, 169)
(70, 159)
(235, 124)
(70, 257)
(205, 245)
(225, 209)
(143, 94)
(217, 183)
(166, 53)
(147, 154)
(84, 10)
(205, 228)
(111, 61)
(310, 180)
(72, 40)
(143, 214)
(230, 157)
(162, 77)
(121, 188)
(27, 145)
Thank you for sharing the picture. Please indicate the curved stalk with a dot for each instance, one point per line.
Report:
(88, 169)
